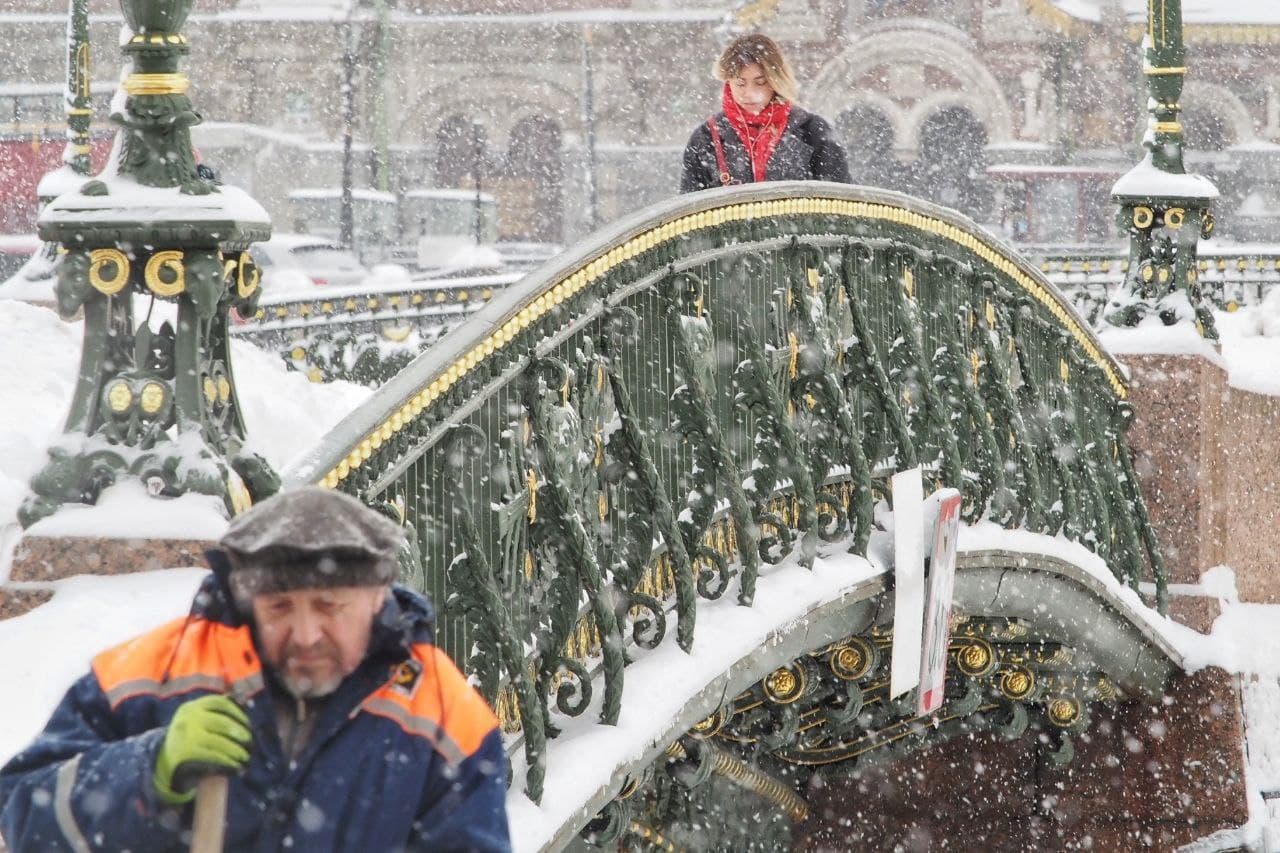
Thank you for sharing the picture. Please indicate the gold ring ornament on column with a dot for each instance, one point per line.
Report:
(1173, 217)
(1143, 216)
(247, 283)
(170, 262)
(113, 284)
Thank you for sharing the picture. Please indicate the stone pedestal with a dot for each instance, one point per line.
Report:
(15, 602)
(1148, 774)
(40, 560)
(53, 558)
(1208, 461)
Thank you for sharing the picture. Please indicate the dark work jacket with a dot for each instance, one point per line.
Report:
(404, 755)
(807, 151)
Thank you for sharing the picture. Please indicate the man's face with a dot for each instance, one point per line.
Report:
(314, 638)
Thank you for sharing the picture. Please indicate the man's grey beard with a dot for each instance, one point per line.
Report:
(305, 688)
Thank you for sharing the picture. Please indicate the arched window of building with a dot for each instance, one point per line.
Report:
(460, 152)
(868, 140)
(953, 162)
(1206, 131)
(530, 202)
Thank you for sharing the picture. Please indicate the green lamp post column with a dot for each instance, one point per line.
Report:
(78, 99)
(149, 238)
(1164, 210)
(78, 108)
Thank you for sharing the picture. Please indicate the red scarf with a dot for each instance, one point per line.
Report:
(759, 133)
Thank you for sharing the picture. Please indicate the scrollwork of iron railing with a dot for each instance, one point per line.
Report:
(364, 334)
(707, 387)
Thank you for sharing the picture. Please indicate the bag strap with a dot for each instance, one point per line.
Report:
(725, 178)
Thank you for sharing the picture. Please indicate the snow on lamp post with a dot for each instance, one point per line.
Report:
(150, 238)
(1164, 210)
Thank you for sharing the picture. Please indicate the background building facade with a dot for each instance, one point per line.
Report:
(575, 112)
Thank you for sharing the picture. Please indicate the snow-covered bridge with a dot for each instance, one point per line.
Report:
(687, 425)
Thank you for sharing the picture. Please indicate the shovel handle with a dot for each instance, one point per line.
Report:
(210, 821)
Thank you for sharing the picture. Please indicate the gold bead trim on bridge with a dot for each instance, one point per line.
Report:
(157, 84)
(662, 234)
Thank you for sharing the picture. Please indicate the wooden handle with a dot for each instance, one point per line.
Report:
(210, 820)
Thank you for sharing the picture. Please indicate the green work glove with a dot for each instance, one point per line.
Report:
(206, 735)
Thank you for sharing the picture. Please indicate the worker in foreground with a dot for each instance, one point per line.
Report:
(304, 674)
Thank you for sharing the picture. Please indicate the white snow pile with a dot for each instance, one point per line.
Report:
(1249, 338)
(39, 357)
(86, 615)
(1251, 345)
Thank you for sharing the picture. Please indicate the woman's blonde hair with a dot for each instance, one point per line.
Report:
(757, 49)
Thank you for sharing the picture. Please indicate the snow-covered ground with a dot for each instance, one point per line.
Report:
(286, 414)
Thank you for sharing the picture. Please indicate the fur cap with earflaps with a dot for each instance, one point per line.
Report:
(310, 538)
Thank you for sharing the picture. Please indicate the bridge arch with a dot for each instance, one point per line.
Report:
(715, 391)
(1065, 609)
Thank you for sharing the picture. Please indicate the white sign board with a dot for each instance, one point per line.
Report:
(908, 579)
(937, 610)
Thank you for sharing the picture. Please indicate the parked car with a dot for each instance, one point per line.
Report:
(291, 262)
(15, 250)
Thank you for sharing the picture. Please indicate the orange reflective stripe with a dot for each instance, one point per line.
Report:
(188, 653)
(441, 706)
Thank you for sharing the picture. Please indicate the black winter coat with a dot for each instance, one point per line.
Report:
(807, 151)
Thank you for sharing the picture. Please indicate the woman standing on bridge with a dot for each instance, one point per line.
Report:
(760, 134)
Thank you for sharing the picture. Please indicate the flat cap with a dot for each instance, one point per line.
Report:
(310, 538)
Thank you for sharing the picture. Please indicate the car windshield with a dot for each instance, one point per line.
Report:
(12, 261)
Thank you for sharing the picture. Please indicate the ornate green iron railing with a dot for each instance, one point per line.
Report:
(707, 387)
(1230, 277)
(364, 334)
